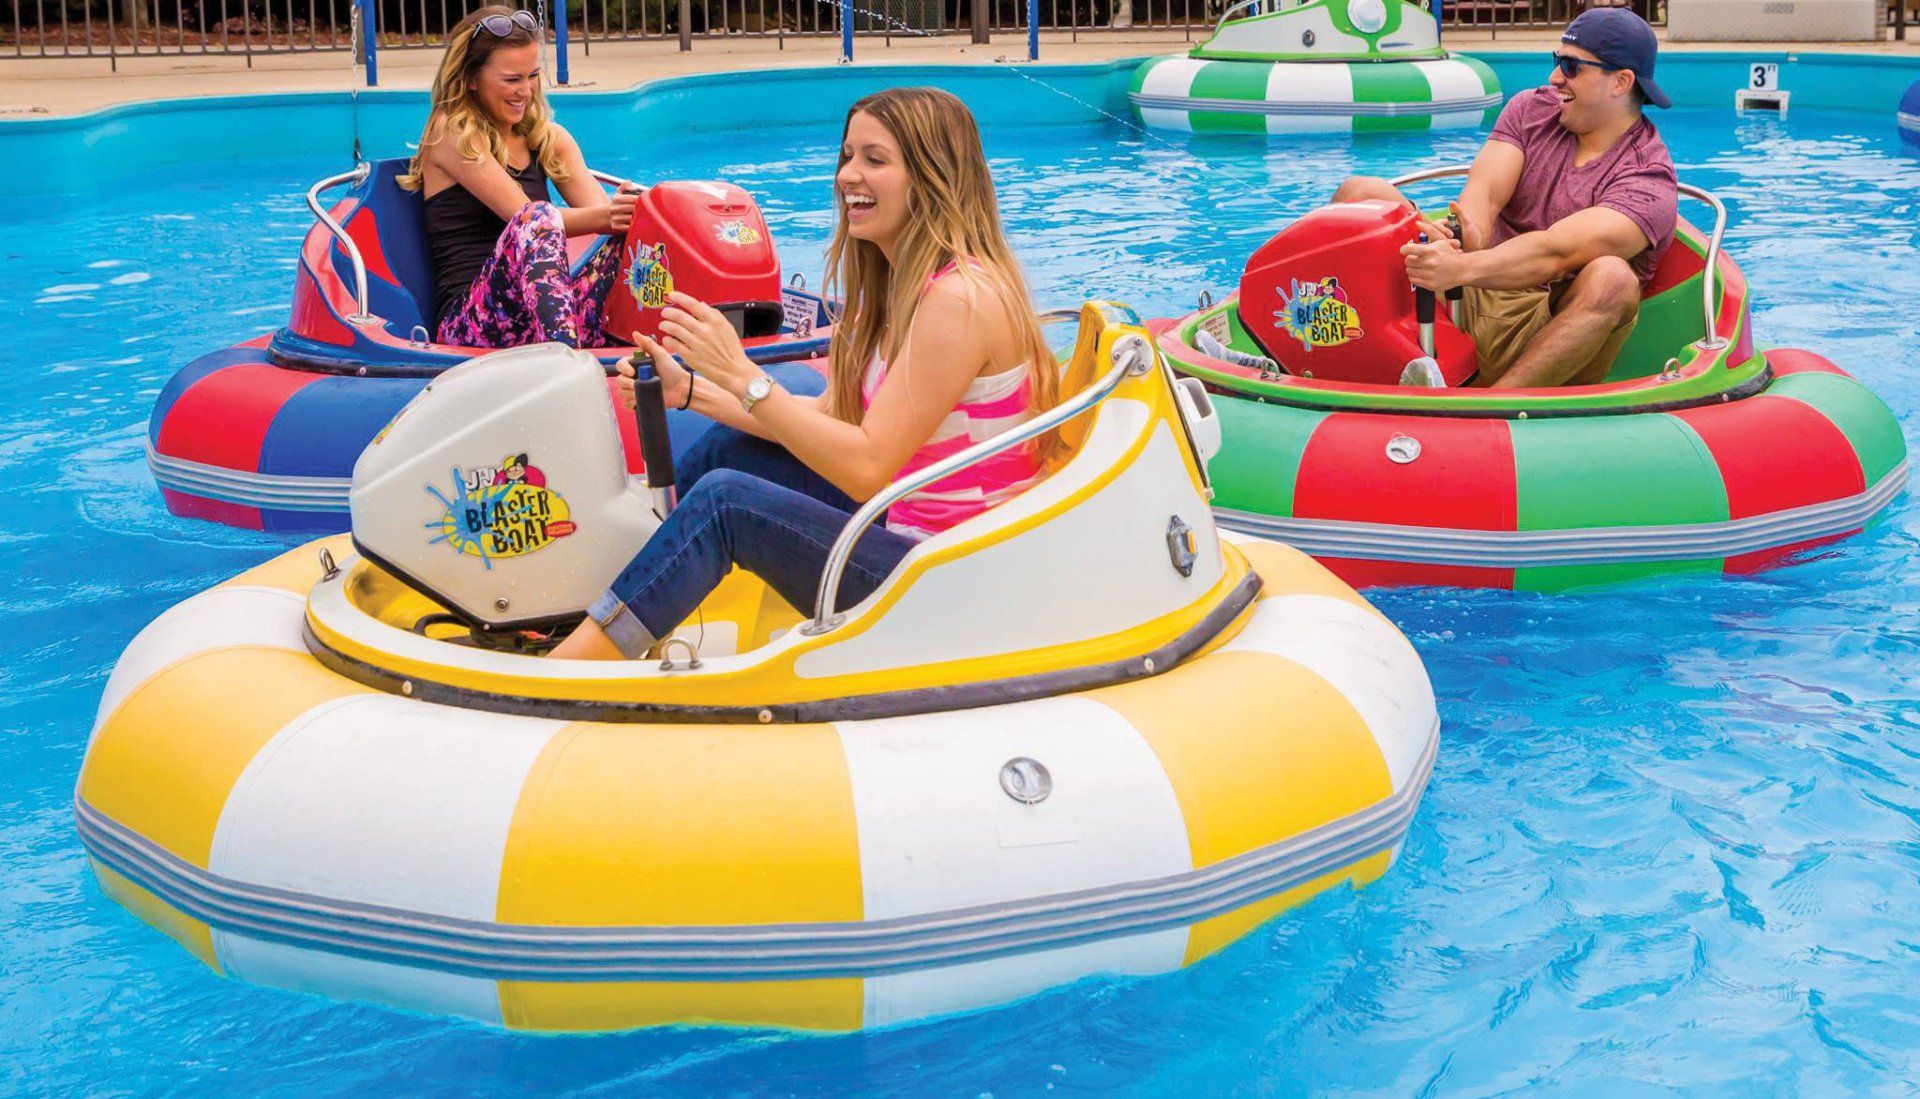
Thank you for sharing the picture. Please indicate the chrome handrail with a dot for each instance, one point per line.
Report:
(1132, 356)
(1709, 288)
(1276, 5)
(1710, 282)
(610, 179)
(362, 314)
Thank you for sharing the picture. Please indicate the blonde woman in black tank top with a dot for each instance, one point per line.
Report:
(497, 245)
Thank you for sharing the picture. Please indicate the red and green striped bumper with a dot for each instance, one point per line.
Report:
(1550, 503)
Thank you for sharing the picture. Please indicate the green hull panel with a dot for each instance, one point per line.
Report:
(1865, 419)
(1260, 454)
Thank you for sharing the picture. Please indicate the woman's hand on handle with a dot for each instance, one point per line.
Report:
(620, 209)
(674, 378)
(623, 383)
(706, 342)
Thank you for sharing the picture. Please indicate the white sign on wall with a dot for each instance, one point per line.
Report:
(1763, 76)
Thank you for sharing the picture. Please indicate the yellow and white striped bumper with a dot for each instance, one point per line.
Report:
(294, 828)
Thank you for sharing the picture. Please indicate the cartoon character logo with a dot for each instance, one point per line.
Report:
(648, 276)
(1318, 314)
(736, 232)
(500, 511)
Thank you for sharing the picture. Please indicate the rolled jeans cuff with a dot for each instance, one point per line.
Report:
(621, 626)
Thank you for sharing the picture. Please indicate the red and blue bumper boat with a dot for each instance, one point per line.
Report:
(263, 435)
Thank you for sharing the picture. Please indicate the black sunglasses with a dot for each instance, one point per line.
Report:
(1570, 66)
(501, 26)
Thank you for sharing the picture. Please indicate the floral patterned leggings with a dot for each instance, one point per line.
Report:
(526, 294)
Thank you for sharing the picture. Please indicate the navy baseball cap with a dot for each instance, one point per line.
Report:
(1622, 39)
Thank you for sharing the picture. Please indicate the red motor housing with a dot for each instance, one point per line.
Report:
(700, 238)
(1328, 298)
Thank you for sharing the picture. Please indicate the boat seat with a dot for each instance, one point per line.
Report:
(1082, 368)
(388, 223)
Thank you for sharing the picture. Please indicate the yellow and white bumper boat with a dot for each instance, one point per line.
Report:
(1148, 741)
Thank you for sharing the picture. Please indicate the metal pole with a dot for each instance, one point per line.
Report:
(686, 26)
(1033, 30)
(560, 39)
(370, 26)
(979, 21)
(846, 30)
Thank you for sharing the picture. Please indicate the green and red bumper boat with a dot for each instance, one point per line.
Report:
(1697, 453)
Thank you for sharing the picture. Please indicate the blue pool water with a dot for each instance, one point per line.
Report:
(1673, 836)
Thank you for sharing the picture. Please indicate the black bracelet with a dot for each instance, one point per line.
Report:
(688, 403)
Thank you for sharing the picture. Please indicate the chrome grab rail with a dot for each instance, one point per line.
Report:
(1709, 284)
(1132, 356)
(1276, 5)
(362, 314)
(1709, 288)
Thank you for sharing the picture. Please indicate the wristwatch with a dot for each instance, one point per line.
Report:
(758, 390)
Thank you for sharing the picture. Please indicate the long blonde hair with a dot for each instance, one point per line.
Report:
(457, 114)
(951, 215)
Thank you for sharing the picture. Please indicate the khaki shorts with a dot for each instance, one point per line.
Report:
(1503, 322)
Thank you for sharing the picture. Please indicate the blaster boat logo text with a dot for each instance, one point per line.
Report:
(1317, 314)
(648, 276)
(500, 511)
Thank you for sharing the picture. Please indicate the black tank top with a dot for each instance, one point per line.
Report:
(461, 234)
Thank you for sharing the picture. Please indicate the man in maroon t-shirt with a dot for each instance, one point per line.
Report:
(1567, 211)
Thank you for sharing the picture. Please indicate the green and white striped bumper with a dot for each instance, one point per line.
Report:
(1274, 97)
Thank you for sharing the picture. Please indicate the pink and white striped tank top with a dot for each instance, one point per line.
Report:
(993, 403)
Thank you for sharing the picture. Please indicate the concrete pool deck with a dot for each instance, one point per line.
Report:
(40, 87)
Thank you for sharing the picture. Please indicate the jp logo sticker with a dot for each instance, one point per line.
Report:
(736, 232)
(648, 276)
(500, 511)
(1318, 314)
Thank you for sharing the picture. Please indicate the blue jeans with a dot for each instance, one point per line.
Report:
(747, 502)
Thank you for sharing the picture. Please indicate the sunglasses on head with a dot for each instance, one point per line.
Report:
(501, 26)
(1570, 66)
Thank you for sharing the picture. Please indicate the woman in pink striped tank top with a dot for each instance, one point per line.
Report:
(936, 348)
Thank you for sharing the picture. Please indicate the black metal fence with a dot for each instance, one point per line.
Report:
(115, 28)
(108, 28)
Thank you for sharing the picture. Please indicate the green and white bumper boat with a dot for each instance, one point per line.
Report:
(1283, 66)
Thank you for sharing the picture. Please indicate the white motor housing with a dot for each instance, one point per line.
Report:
(501, 490)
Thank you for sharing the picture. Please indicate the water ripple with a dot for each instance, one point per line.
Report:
(1671, 840)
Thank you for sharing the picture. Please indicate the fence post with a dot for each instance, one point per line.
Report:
(560, 38)
(370, 27)
(846, 30)
(686, 26)
(979, 21)
(1033, 30)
